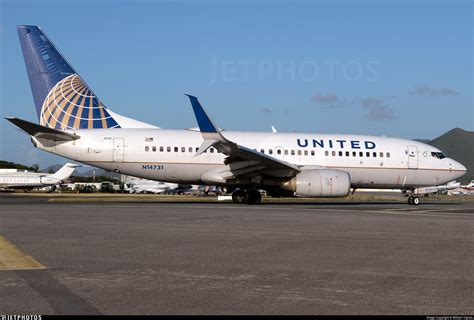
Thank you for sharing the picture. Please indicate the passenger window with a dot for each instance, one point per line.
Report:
(183, 149)
(367, 154)
(347, 153)
(334, 153)
(374, 154)
(381, 154)
(354, 154)
(190, 149)
(286, 152)
(312, 152)
(175, 149)
(147, 148)
(361, 154)
(153, 148)
(168, 149)
(388, 154)
(292, 152)
(340, 153)
(211, 150)
(278, 151)
(270, 151)
(326, 153)
(162, 149)
(262, 150)
(299, 152)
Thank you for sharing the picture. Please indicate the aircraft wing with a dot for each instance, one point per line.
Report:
(250, 161)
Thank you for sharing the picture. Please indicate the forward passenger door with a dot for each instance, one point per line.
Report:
(412, 157)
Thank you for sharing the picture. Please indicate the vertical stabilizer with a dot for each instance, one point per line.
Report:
(65, 171)
(62, 99)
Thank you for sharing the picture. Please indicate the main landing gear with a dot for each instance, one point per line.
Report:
(250, 196)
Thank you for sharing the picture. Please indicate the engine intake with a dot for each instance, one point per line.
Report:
(319, 183)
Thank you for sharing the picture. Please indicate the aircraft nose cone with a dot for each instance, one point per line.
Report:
(458, 169)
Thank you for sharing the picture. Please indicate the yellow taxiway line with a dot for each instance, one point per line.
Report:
(12, 258)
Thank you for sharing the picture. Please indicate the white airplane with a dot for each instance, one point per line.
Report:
(469, 186)
(148, 186)
(426, 191)
(75, 124)
(467, 189)
(30, 180)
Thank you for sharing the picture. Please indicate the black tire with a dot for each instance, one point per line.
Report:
(253, 197)
(239, 196)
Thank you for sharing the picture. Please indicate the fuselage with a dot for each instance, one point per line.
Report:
(169, 155)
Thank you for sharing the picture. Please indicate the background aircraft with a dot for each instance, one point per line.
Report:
(426, 191)
(148, 186)
(30, 180)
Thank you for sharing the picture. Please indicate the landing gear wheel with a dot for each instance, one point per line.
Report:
(239, 196)
(253, 197)
(415, 201)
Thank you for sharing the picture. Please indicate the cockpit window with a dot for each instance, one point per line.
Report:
(438, 155)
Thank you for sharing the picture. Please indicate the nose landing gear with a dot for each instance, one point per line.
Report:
(249, 196)
(413, 200)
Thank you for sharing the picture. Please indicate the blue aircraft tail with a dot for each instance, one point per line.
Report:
(62, 99)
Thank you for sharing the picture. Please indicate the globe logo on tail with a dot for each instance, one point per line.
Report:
(70, 104)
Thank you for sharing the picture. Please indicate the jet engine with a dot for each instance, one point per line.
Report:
(325, 183)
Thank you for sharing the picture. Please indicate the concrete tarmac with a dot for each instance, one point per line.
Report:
(221, 258)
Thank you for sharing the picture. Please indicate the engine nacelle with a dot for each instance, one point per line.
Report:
(325, 183)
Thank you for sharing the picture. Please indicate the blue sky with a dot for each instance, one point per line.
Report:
(397, 68)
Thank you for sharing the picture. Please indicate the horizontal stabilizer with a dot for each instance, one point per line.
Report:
(39, 131)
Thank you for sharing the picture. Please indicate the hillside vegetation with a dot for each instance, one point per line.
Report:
(12, 165)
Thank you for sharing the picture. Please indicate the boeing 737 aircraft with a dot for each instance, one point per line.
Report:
(30, 180)
(75, 124)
